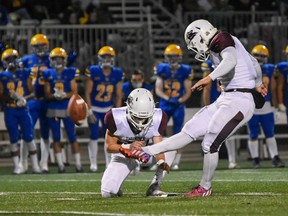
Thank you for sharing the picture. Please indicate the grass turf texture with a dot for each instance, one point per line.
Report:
(236, 192)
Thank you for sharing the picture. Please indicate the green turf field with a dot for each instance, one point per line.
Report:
(236, 192)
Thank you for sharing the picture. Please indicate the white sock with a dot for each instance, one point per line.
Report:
(51, 154)
(231, 150)
(14, 149)
(24, 154)
(33, 153)
(253, 146)
(177, 158)
(77, 159)
(45, 147)
(107, 156)
(210, 163)
(59, 159)
(272, 146)
(63, 153)
(93, 152)
(174, 142)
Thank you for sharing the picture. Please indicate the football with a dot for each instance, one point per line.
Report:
(77, 109)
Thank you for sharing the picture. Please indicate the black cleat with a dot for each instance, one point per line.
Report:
(277, 163)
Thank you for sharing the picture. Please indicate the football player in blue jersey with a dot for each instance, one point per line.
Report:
(14, 88)
(210, 94)
(60, 84)
(37, 62)
(102, 91)
(173, 87)
(281, 101)
(137, 81)
(265, 115)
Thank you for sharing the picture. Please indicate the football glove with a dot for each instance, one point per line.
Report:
(91, 117)
(173, 100)
(21, 102)
(58, 95)
(15, 96)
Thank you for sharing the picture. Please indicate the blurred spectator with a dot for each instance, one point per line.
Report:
(98, 14)
(266, 5)
(17, 7)
(38, 10)
(222, 5)
(241, 5)
(206, 5)
(74, 14)
(3, 15)
(191, 5)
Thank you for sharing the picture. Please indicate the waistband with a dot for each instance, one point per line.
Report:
(238, 90)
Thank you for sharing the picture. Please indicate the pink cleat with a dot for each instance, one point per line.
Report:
(199, 191)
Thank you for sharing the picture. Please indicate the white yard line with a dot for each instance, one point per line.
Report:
(70, 213)
(148, 180)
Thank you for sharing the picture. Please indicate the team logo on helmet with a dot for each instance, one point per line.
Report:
(130, 101)
(190, 35)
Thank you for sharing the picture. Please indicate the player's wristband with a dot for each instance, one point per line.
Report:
(126, 146)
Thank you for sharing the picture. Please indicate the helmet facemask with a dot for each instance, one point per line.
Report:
(262, 59)
(10, 62)
(106, 61)
(40, 49)
(173, 60)
(58, 62)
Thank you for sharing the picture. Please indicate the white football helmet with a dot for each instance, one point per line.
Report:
(140, 108)
(197, 37)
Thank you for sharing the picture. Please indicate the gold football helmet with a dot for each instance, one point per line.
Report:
(173, 54)
(39, 44)
(58, 58)
(261, 53)
(9, 58)
(106, 56)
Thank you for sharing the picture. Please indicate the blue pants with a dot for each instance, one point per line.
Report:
(266, 121)
(94, 128)
(38, 109)
(15, 117)
(177, 115)
(55, 125)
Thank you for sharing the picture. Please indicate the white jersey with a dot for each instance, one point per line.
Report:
(124, 131)
(244, 74)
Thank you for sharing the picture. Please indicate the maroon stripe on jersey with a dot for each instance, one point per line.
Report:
(110, 122)
(228, 128)
(163, 124)
(221, 41)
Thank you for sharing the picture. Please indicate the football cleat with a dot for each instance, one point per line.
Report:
(175, 167)
(19, 170)
(79, 169)
(233, 165)
(199, 191)
(36, 170)
(61, 170)
(135, 153)
(256, 162)
(154, 190)
(93, 168)
(277, 163)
